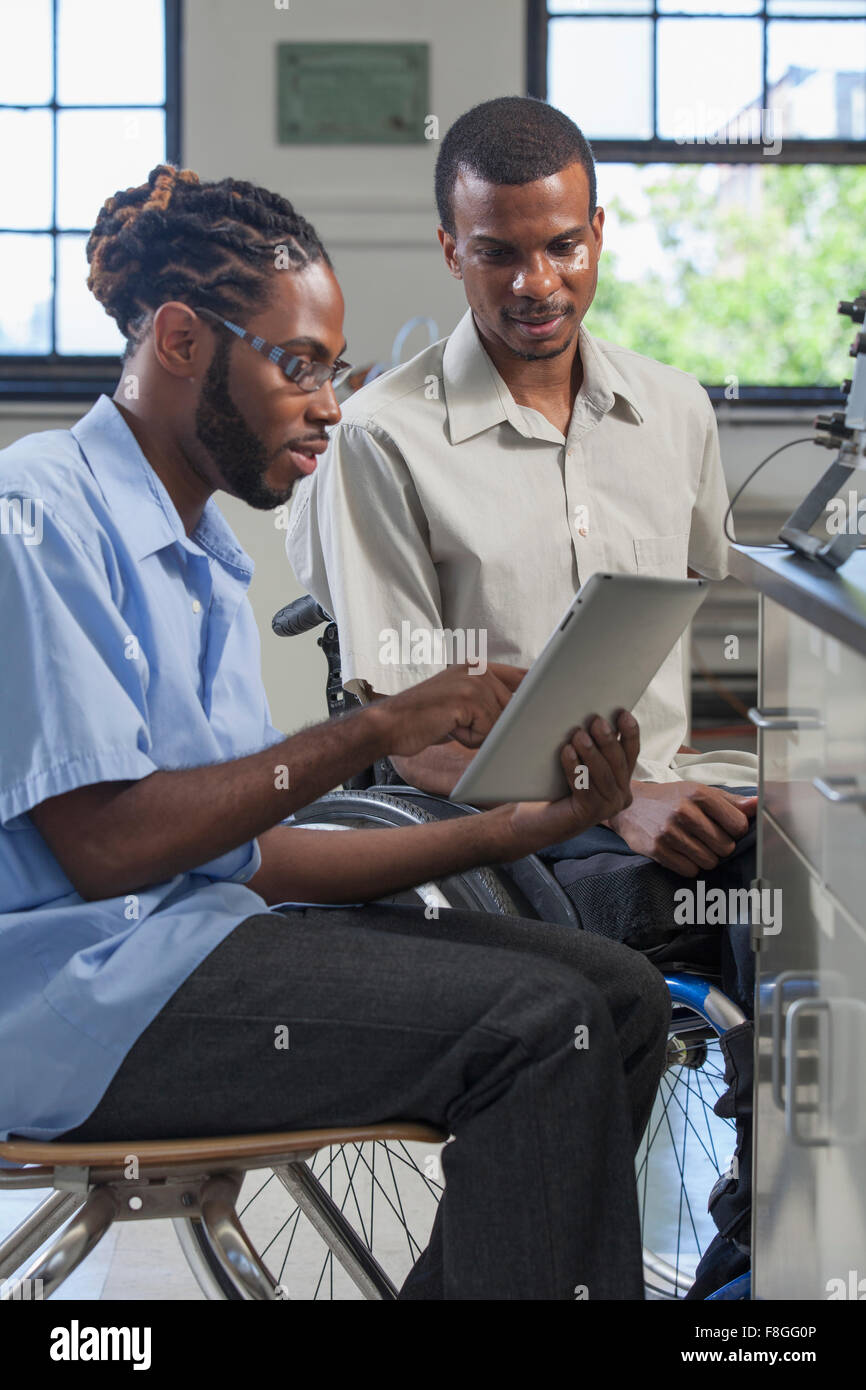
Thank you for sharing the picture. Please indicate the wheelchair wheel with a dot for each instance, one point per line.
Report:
(511, 889)
(686, 1146)
(389, 1192)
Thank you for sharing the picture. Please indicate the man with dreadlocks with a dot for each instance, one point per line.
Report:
(142, 974)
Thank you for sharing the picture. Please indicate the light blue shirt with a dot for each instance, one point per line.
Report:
(127, 647)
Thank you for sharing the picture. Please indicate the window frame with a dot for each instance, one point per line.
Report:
(61, 376)
(657, 150)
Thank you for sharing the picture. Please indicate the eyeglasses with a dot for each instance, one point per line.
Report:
(308, 376)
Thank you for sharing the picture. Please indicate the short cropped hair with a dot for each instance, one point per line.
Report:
(509, 140)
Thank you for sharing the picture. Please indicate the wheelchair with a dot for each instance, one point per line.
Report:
(344, 1214)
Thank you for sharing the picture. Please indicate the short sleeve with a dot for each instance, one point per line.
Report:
(361, 544)
(708, 545)
(73, 696)
(236, 865)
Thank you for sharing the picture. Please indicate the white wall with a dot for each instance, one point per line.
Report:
(374, 208)
(372, 205)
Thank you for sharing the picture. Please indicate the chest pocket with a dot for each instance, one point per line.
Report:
(663, 556)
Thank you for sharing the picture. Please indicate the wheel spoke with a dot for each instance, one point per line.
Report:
(683, 1134)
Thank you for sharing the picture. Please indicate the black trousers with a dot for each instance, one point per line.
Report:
(538, 1047)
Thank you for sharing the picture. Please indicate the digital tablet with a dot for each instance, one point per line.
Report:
(605, 650)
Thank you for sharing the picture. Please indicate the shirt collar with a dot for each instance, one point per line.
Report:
(139, 500)
(477, 398)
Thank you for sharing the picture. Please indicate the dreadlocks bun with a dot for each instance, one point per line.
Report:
(162, 180)
(175, 237)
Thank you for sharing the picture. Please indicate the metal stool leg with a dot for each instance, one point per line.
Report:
(84, 1232)
(230, 1242)
(35, 1229)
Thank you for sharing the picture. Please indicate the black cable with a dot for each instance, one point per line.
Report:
(806, 439)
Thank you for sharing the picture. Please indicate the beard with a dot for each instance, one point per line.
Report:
(541, 355)
(223, 432)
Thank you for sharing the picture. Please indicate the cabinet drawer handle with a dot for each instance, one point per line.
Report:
(786, 718)
(831, 788)
(803, 985)
(796, 1012)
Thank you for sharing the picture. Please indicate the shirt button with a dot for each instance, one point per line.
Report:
(196, 606)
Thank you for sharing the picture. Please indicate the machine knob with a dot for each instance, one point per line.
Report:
(834, 424)
(855, 309)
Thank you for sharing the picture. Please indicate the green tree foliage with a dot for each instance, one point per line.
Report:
(751, 273)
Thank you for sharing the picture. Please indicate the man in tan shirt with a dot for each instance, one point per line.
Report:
(466, 495)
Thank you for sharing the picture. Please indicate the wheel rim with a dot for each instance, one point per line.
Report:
(388, 1190)
(686, 1146)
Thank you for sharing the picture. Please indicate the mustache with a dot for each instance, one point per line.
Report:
(552, 312)
(301, 443)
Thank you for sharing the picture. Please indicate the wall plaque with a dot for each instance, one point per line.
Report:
(352, 93)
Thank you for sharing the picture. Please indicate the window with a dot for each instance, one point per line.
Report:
(730, 138)
(88, 104)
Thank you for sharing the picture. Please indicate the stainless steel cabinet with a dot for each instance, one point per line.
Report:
(810, 1118)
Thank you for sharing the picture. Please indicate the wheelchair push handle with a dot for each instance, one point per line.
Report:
(300, 616)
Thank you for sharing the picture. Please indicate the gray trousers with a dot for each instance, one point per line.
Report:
(467, 1022)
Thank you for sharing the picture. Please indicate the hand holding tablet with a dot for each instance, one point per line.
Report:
(598, 762)
(610, 642)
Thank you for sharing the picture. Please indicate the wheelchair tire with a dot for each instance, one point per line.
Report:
(475, 889)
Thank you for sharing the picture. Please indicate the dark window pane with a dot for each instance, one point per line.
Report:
(108, 52)
(129, 144)
(817, 79)
(83, 327)
(709, 71)
(25, 52)
(599, 74)
(25, 293)
(25, 185)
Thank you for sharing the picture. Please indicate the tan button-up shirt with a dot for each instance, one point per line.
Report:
(443, 506)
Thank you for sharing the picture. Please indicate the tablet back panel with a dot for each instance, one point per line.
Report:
(614, 636)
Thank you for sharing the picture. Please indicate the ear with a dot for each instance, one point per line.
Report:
(182, 343)
(449, 248)
(598, 230)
